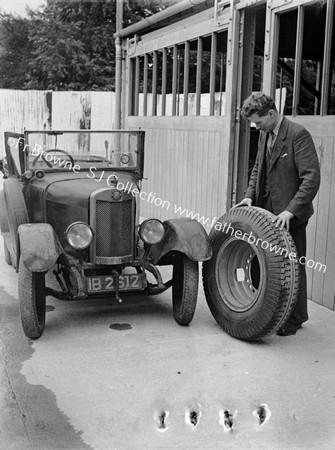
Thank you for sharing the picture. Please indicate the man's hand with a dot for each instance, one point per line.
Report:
(283, 219)
(246, 201)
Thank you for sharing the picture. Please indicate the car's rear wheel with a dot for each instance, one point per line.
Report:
(32, 301)
(250, 283)
(185, 280)
(8, 258)
(16, 210)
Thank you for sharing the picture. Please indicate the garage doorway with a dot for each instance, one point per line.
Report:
(250, 69)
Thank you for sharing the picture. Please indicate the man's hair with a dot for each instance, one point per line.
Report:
(257, 103)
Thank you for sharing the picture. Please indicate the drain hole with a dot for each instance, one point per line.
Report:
(263, 414)
(49, 308)
(193, 418)
(161, 419)
(261, 411)
(228, 419)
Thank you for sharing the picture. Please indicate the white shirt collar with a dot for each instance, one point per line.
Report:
(276, 129)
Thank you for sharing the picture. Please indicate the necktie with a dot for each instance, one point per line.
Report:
(271, 140)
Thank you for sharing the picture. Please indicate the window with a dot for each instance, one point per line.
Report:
(185, 79)
(305, 66)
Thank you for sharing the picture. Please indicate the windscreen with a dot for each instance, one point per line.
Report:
(81, 150)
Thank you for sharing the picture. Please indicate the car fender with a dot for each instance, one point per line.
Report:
(183, 235)
(39, 246)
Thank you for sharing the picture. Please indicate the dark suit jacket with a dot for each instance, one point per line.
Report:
(294, 173)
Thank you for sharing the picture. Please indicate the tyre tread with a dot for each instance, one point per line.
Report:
(32, 326)
(16, 209)
(185, 313)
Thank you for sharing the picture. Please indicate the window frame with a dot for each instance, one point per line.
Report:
(138, 69)
(324, 83)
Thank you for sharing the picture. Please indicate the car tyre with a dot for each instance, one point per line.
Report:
(250, 290)
(32, 299)
(8, 258)
(16, 210)
(185, 280)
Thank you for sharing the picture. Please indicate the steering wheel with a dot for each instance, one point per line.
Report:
(52, 151)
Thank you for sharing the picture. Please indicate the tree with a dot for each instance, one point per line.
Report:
(66, 45)
(72, 46)
(14, 51)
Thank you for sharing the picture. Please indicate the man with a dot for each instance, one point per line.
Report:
(284, 180)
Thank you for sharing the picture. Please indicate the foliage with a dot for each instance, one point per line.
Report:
(72, 47)
(15, 51)
(67, 45)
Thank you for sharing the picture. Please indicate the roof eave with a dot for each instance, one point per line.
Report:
(155, 19)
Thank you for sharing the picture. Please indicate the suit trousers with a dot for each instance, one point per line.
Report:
(298, 233)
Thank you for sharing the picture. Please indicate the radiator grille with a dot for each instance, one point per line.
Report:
(114, 234)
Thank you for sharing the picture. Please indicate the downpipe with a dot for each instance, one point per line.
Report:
(118, 82)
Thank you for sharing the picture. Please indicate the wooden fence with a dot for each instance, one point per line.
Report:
(38, 110)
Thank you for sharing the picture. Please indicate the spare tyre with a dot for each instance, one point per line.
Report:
(251, 282)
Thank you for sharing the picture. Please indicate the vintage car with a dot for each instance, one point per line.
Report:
(70, 221)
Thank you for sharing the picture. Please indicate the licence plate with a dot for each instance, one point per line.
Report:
(132, 282)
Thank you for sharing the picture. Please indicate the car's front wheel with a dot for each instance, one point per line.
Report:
(32, 301)
(184, 289)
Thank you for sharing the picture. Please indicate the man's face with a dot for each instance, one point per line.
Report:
(265, 123)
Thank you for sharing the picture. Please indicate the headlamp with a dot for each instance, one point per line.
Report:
(151, 231)
(79, 235)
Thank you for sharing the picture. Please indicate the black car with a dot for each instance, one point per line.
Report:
(70, 207)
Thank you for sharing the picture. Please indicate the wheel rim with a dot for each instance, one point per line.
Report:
(239, 274)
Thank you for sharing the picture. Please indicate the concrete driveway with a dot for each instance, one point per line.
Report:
(120, 376)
